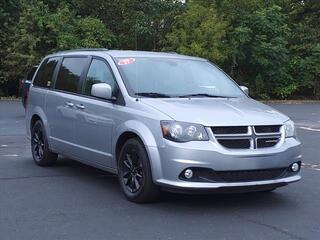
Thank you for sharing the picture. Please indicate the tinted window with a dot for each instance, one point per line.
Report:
(69, 74)
(99, 72)
(44, 75)
(31, 73)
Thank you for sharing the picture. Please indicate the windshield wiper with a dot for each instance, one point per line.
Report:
(202, 95)
(153, 95)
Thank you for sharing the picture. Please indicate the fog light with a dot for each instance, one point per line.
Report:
(188, 173)
(295, 167)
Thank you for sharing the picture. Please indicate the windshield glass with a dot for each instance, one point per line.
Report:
(173, 77)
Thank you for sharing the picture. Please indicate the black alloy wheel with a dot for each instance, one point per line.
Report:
(134, 172)
(39, 146)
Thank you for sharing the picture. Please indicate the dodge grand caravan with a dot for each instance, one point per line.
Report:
(159, 121)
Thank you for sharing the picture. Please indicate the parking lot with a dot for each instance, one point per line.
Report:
(74, 201)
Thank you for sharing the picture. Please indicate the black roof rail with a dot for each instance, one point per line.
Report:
(84, 49)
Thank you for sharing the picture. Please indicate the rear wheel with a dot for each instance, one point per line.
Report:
(134, 173)
(39, 146)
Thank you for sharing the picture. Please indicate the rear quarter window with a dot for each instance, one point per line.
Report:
(45, 73)
(70, 73)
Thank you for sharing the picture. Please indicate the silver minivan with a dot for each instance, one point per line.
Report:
(160, 121)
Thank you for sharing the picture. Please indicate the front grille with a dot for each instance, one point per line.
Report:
(249, 175)
(267, 129)
(267, 142)
(235, 143)
(230, 130)
(248, 137)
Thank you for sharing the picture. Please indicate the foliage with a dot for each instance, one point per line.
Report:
(270, 46)
(138, 24)
(8, 14)
(262, 56)
(200, 32)
(305, 46)
(40, 31)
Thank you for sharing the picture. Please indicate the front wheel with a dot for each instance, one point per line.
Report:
(134, 173)
(39, 146)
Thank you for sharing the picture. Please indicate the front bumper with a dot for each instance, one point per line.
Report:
(169, 161)
(198, 187)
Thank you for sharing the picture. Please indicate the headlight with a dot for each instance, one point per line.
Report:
(183, 132)
(289, 129)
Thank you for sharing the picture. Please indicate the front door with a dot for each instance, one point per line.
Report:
(95, 117)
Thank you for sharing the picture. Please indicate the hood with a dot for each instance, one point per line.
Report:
(217, 111)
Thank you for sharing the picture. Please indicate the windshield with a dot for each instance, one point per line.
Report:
(173, 77)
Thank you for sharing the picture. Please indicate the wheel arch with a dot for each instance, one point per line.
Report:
(125, 136)
(38, 114)
(137, 129)
(34, 119)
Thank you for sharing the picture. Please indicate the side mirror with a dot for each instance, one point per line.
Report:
(245, 89)
(101, 90)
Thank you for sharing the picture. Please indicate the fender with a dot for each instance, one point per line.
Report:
(39, 111)
(148, 140)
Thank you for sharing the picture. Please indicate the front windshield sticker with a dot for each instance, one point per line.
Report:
(126, 61)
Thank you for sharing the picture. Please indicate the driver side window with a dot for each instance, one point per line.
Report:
(99, 72)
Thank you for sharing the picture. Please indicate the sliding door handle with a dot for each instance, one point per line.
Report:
(80, 106)
(69, 104)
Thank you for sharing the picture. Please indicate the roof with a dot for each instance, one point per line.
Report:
(123, 53)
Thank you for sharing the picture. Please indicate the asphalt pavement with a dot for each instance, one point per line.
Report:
(74, 201)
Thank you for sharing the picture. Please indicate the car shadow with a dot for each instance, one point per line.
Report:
(168, 200)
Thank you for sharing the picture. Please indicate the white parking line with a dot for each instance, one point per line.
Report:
(3, 145)
(315, 167)
(11, 155)
(310, 129)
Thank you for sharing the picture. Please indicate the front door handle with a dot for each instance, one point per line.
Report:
(80, 106)
(69, 104)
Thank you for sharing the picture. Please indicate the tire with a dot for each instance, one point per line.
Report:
(42, 156)
(134, 173)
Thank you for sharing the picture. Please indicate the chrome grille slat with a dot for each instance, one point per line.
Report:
(254, 137)
(268, 136)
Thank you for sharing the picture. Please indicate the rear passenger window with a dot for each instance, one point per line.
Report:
(44, 75)
(69, 74)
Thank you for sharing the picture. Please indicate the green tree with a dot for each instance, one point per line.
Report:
(199, 31)
(272, 46)
(304, 46)
(41, 30)
(261, 54)
(138, 24)
(9, 13)
(250, 43)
